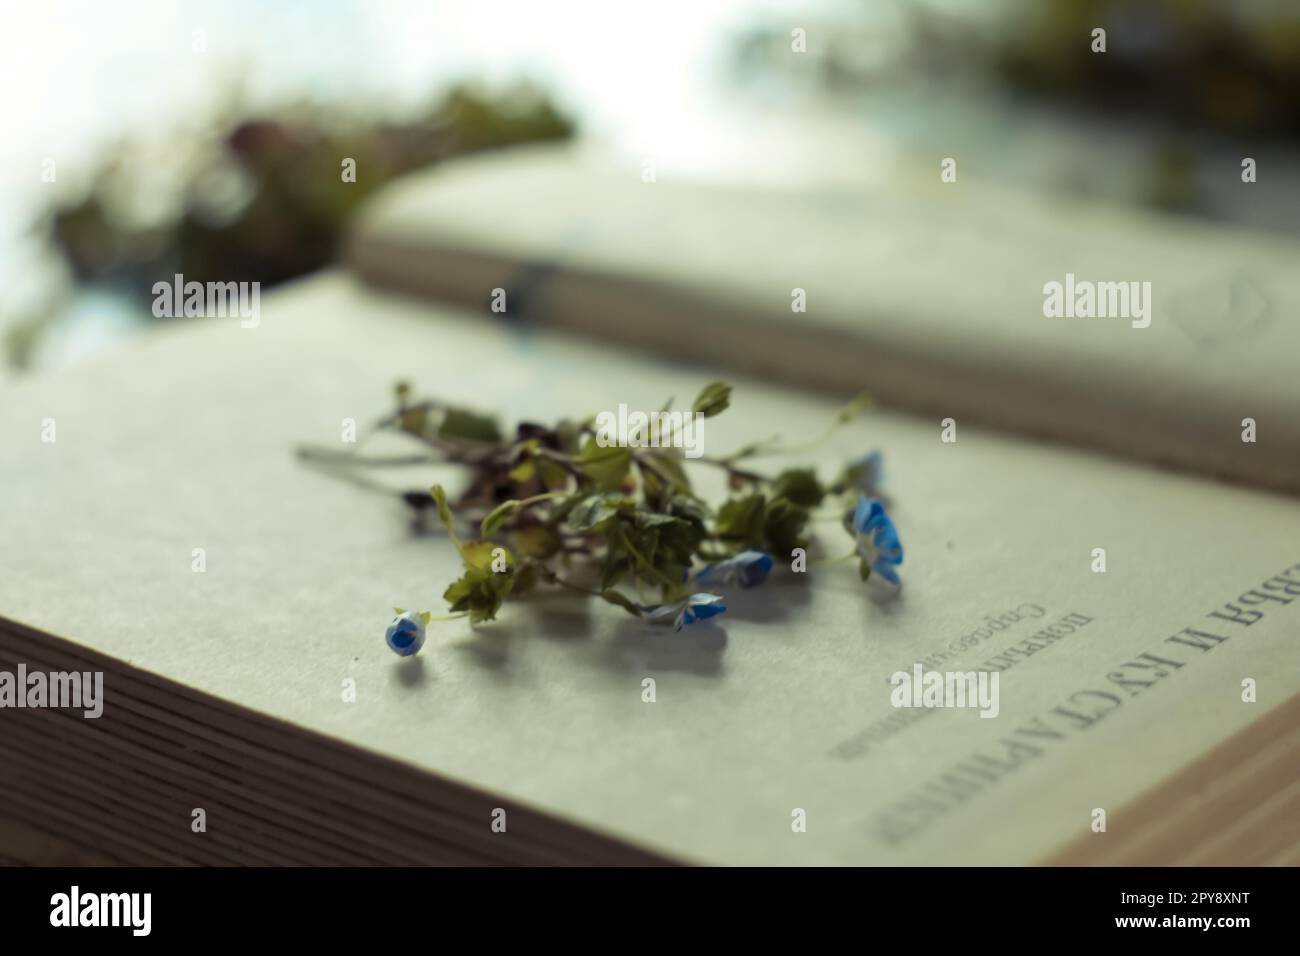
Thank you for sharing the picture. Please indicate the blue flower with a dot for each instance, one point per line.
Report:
(406, 634)
(747, 569)
(867, 474)
(878, 543)
(697, 607)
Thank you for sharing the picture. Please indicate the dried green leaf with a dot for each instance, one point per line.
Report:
(552, 474)
(783, 526)
(607, 467)
(592, 512)
(799, 485)
(459, 423)
(497, 517)
(480, 591)
(535, 541)
(444, 510)
(740, 520)
(713, 399)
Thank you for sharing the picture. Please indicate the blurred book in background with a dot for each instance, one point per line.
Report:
(929, 296)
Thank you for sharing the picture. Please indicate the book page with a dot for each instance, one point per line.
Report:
(1109, 682)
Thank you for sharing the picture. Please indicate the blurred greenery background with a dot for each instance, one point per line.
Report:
(206, 139)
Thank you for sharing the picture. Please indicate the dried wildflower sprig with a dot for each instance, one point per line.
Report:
(553, 506)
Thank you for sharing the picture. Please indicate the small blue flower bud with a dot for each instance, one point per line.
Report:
(406, 634)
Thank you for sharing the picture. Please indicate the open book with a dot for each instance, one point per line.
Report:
(252, 714)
